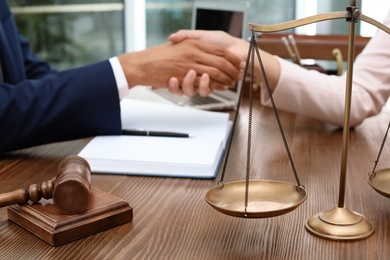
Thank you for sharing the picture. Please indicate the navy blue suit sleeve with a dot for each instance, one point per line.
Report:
(60, 106)
(39, 105)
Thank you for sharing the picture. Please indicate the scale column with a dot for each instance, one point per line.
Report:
(340, 223)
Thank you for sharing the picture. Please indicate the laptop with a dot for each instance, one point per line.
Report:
(210, 15)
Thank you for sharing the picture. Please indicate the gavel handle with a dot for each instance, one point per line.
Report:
(33, 193)
(14, 197)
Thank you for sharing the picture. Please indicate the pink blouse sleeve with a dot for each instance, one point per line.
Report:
(322, 96)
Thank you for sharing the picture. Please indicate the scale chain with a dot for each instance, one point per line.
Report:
(220, 182)
(252, 53)
(380, 150)
(275, 111)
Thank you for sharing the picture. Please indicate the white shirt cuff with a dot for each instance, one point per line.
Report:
(121, 82)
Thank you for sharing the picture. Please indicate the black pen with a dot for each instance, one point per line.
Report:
(154, 133)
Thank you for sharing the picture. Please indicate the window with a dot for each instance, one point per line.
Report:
(377, 11)
(166, 17)
(69, 34)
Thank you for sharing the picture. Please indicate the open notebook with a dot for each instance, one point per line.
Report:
(212, 15)
(197, 156)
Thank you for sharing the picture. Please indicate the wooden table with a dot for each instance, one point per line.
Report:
(173, 221)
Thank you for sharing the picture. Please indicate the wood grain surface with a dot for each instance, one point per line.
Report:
(173, 221)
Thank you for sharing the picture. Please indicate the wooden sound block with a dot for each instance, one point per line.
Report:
(46, 221)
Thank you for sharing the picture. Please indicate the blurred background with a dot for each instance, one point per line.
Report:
(71, 33)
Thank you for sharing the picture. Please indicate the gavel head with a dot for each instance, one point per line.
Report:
(72, 186)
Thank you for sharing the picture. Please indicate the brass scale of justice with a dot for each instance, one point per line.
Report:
(268, 198)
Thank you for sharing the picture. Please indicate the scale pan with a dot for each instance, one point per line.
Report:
(380, 181)
(266, 198)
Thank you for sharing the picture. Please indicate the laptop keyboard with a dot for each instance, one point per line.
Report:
(187, 101)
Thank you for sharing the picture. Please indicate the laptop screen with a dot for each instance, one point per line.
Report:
(225, 20)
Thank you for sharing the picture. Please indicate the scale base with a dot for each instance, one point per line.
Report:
(339, 224)
(45, 220)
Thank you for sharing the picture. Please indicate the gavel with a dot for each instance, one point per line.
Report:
(70, 189)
